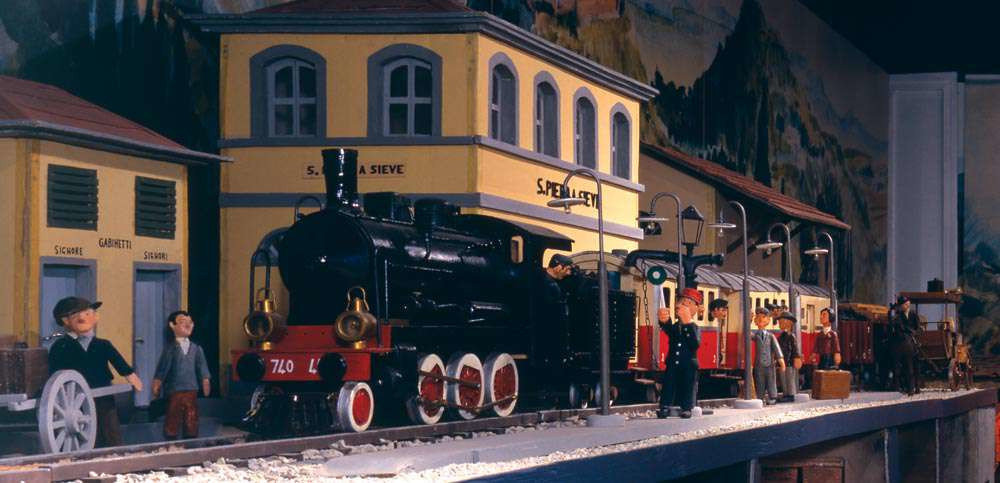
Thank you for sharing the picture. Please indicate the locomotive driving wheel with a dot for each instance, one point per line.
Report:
(427, 406)
(67, 416)
(355, 406)
(579, 396)
(501, 383)
(468, 394)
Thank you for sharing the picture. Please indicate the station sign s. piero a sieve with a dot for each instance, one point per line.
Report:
(365, 170)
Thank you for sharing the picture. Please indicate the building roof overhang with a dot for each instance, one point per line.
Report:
(741, 185)
(105, 142)
(426, 23)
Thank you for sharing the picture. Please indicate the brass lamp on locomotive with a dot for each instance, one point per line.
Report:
(379, 298)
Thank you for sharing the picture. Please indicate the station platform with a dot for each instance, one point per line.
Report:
(872, 436)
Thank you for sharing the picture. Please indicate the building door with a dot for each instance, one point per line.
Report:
(157, 294)
(62, 278)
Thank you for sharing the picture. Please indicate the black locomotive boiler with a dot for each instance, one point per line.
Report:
(428, 310)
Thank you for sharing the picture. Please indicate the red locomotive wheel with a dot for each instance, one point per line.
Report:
(469, 393)
(355, 406)
(426, 407)
(501, 383)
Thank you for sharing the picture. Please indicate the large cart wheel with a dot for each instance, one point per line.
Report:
(67, 416)
(427, 406)
(501, 383)
(355, 407)
(468, 393)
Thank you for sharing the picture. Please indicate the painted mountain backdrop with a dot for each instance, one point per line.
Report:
(765, 89)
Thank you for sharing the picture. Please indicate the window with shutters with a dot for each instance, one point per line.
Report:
(621, 140)
(546, 119)
(503, 100)
(155, 207)
(584, 130)
(72, 197)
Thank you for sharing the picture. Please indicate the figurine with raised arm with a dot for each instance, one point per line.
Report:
(682, 357)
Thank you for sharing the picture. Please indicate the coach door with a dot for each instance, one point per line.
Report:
(62, 277)
(157, 294)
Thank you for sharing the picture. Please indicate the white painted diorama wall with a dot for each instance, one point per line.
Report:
(925, 113)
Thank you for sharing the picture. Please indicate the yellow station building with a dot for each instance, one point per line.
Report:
(95, 206)
(439, 100)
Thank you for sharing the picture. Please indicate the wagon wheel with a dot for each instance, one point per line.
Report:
(67, 416)
(469, 394)
(355, 407)
(501, 383)
(611, 396)
(426, 407)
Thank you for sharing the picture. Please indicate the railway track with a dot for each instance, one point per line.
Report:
(173, 456)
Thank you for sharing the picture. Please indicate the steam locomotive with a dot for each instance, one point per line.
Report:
(442, 315)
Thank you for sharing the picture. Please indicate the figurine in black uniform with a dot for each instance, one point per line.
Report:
(550, 337)
(682, 356)
(81, 350)
(905, 346)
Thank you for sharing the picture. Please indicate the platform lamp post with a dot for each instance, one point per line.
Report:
(605, 418)
(680, 230)
(748, 402)
(816, 252)
(770, 246)
(793, 305)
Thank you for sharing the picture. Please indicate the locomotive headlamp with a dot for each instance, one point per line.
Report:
(263, 323)
(355, 323)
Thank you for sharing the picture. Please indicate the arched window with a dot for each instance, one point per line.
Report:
(621, 143)
(291, 98)
(404, 92)
(546, 115)
(584, 130)
(287, 90)
(503, 104)
(407, 96)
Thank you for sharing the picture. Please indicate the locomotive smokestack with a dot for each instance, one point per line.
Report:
(340, 170)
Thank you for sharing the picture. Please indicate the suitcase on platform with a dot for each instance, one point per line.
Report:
(831, 384)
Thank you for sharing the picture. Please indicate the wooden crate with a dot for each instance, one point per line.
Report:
(23, 370)
(831, 384)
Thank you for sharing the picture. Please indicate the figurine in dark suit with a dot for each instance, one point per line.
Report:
(182, 370)
(682, 356)
(767, 355)
(81, 350)
(791, 354)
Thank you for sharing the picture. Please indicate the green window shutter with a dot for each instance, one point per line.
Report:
(72, 197)
(155, 207)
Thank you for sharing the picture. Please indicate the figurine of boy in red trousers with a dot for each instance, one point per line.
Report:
(182, 366)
